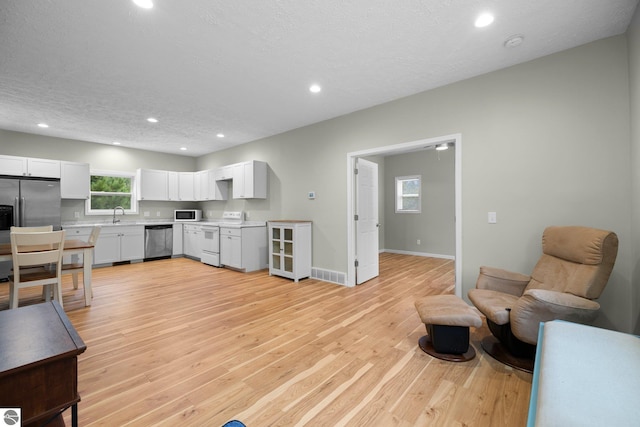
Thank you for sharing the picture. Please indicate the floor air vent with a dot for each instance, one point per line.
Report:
(329, 276)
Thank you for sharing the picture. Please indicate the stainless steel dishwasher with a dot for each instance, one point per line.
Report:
(158, 241)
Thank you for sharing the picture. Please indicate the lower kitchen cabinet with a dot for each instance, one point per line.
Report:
(244, 248)
(119, 243)
(178, 248)
(290, 249)
(192, 240)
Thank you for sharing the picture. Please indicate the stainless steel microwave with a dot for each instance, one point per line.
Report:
(185, 215)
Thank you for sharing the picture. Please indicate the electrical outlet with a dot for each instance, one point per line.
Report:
(146, 213)
(76, 215)
(418, 242)
(158, 213)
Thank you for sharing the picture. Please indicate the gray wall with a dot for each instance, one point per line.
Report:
(435, 225)
(634, 91)
(545, 142)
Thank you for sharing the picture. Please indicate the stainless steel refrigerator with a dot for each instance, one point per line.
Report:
(27, 202)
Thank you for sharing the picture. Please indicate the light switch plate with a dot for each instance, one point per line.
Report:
(492, 218)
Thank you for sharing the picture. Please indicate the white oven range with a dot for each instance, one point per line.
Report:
(211, 245)
(211, 234)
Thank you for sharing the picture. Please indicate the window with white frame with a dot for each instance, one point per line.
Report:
(408, 189)
(110, 189)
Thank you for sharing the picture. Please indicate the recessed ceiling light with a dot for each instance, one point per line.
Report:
(183, 148)
(484, 20)
(145, 4)
(315, 88)
(514, 41)
(442, 147)
(116, 143)
(220, 135)
(152, 120)
(43, 125)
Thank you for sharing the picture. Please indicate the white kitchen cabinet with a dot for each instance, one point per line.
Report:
(152, 184)
(192, 240)
(231, 247)
(75, 180)
(213, 189)
(200, 185)
(250, 180)
(208, 188)
(26, 166)
(224, 173)
(244, 248)
(119, 243)
(173, 186)
(177, 239)
(186, 186)
(43, 168)
(290, 249)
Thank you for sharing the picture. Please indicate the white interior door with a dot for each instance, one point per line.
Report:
(367, 222)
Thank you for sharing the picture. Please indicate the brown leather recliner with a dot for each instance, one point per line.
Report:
(574, 268)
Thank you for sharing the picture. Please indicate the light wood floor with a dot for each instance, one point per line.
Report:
(176, 342)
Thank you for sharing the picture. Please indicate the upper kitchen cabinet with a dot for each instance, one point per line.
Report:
(186, 186)
(75, 180)
(152, 184)
(174, 190)
(224, 173)
(208, 188)
(250, 180)
(25, 166)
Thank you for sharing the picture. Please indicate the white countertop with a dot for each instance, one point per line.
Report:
(213, 223)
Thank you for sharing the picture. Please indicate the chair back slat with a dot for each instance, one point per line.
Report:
(35, 248)
(31, 229)
(95, 233)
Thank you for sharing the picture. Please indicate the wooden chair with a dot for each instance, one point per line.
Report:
(40, 229)
(77, 267)
(36, 249)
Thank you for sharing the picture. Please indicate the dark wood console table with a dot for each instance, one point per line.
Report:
(39, 351)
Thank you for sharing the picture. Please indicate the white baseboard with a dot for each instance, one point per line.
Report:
(424, 254)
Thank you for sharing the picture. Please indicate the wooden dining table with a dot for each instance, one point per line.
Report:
(71, 247)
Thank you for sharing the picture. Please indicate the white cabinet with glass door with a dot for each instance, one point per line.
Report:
(290, 249)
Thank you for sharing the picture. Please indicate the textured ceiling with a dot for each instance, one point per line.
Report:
(94, 70)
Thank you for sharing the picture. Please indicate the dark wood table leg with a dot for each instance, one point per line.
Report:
(74, 415)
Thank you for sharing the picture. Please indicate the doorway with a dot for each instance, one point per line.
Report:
(454, 139)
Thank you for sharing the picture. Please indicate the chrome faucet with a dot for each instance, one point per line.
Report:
(115, 221)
